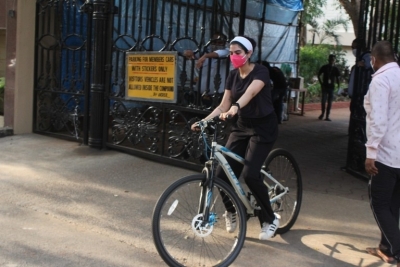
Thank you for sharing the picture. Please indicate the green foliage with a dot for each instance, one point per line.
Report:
(328, 29)
(313, 91)
(312, 10)
(312, 58)
(2, 82)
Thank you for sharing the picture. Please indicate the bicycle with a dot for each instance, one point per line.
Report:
(187, 226)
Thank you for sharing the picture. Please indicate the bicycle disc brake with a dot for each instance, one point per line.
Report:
(201, 228)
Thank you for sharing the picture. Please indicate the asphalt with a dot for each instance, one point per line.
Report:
(63, 204)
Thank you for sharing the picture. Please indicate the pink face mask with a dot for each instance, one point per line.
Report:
(238, 61)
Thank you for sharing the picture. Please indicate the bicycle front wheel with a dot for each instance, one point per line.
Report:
(181, 236)
(283, 167)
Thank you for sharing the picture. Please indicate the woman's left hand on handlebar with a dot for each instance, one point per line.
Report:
(229, 114)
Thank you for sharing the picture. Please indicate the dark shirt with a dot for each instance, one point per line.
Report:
(278, 78)
(330, 74)
(279, 86)
(261, 104)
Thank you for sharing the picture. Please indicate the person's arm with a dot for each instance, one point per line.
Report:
(319, 74)
(367, 60)
(338, 77)
(251, 91)
(204, 57)
(216, 54)
(189, 54)
(224, 106)
(376, 104)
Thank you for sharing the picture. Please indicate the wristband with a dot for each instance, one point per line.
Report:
(236, 104)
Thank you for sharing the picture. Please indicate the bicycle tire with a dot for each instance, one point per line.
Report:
(284, 168)
(175, 231)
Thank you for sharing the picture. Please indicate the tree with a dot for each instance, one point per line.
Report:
(327, 30)
(312, 10)
(352, 8)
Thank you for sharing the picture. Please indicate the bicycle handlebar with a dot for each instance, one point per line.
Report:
(213, 121)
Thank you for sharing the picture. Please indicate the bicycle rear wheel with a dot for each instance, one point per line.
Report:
(181, 237)
(283, 167)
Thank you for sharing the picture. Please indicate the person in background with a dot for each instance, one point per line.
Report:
(382, 105)
(279, 88)
(330, 73)
(248, 96)
(216, 50)
(363, 65)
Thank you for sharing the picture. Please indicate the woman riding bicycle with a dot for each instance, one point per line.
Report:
(248, 94)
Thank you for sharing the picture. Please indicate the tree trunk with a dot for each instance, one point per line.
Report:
(352, 8)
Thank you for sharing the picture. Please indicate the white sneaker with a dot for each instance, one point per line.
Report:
(268, 230)
(230, 220)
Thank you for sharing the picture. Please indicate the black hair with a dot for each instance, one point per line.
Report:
(221, 36)
(331, 56)
(266, 64)
(252, 41)
(360, 43)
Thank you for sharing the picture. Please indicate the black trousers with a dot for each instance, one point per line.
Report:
(327, 94)
(384, 195)
(278, 104)
(252, 139)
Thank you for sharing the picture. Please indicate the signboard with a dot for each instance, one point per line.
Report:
(150, 76)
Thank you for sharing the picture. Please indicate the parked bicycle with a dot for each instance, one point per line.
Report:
(188, 227)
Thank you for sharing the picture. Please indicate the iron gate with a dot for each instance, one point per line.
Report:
(379, 20)
(62, 65)
(80, 68)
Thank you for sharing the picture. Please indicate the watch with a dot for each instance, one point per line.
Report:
(236, 104)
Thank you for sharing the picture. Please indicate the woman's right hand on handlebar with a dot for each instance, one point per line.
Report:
(195, 127)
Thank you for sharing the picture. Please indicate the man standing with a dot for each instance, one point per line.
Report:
(330, 73)
(363, 64)
(217, 54)
(279, 88)
(382, 105)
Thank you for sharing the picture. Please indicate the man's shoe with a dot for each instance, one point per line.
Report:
(327, 119)
(320, 117)
(230, 221)
(268, 230)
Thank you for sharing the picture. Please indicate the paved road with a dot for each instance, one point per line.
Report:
(68, 205)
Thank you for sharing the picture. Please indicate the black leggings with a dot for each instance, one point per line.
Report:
(252, 139)
(384, 194)
(327, 93)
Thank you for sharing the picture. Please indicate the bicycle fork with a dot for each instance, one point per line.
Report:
(206, 194)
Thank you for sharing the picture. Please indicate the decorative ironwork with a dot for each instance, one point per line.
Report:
(59, 71)
(57, 115)
(140, 129)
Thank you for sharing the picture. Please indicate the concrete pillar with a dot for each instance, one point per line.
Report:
(20, 45)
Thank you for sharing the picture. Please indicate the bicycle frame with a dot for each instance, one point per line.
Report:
(218, 153)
